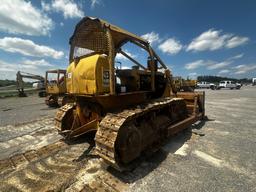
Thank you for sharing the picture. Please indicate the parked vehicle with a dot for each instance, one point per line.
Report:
(206, 85)
(254, 81)
(229, 84)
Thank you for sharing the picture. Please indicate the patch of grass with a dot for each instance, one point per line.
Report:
(14, 93)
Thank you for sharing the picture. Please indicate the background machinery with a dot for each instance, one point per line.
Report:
(253, 81)
(39, 84)
(184, 85)
(131, 117)
(55, 85)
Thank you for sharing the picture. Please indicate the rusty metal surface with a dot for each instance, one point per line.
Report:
(113, 129)
(61, 114)
(88, 24)
(51, 100)
(109, 133)
(109, 128)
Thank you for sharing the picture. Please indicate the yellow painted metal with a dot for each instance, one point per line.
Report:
(88, 76)
(120, 111)
(180, 83)
(52, 89)
(58, 87)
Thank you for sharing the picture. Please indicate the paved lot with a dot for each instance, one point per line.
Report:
(222, 160)
(16, 110)
(215, 155)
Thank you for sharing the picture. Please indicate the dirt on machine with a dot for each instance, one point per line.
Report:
(132, 116)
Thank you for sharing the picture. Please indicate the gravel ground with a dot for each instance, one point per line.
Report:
(16, 110)
(224, 159)
(215, 155)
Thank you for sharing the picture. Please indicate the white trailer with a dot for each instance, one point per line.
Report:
(254, 81)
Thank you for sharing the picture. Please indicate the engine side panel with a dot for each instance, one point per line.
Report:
(89, 76)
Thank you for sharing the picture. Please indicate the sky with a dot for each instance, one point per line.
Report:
(192, 37)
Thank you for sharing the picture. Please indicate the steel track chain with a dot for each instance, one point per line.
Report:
(61, 114)
(107, 132)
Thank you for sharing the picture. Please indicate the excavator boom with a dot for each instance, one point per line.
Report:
(20, 83)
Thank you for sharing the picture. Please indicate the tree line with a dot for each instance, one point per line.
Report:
(6, 82)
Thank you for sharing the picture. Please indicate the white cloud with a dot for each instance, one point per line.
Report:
(196, 64)
(40, 62)
(68, 8)
(215, 39)
(25, 63)
(151, 37)
(4, 69)
(28, 48)
(239, 66)
(125, 67)
(8, 70)
(21, 17)
(236, 56)
(224, 71)
(192, 75)
(45, 6)
(236, 41)
(219, 65)
(207, 63)
(242, 69)
(212, 64)
(119, 56)
(209, 40)
(170, 46)
(5, 64)
(95, 2)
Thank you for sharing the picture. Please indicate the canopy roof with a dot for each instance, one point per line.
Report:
(94, 34)
(56, 71)
(91, 33)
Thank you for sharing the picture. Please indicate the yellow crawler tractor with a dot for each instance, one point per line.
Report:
(184, 85)
(130, 116)
(55, 85)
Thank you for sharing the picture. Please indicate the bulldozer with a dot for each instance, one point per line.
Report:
(55, 84)
(181, 84)
(129, 117)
